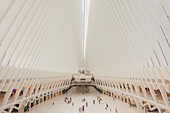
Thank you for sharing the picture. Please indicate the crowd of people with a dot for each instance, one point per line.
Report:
(68, 100)
(85, 103)
(99, 99)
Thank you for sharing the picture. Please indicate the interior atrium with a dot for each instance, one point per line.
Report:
(85, 56)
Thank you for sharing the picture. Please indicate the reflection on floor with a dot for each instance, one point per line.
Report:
(76, 94)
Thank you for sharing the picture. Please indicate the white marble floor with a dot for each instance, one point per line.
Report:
(76, 94)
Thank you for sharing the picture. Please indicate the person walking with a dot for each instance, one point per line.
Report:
(107, 105)
(86, 104)
(28, 108)
(116, 110)
(93, 101)
(25, 109)
(80, 109)
(83, 108)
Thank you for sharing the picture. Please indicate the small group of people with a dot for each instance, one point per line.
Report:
(68, 100)
(81, 109)
(106, 106)
(99, 99)
(84, 92)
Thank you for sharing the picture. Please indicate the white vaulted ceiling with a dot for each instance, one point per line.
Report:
(127, 35)
(50, 35)
(40, 34)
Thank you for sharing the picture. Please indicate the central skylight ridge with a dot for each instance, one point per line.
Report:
(84, 16)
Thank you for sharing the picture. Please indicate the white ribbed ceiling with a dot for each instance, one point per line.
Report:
(40, 34)
(127, 35)
(121, 35)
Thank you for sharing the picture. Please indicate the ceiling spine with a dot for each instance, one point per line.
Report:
(84, 10)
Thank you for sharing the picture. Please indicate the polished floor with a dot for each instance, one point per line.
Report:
(76, 94)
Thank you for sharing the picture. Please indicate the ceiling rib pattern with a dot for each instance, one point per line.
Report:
(40, 34)
(125, 36)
